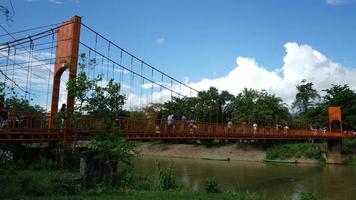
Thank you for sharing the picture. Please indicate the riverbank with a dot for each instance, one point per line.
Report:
(57, 184)
(172, 195)
(232, 152)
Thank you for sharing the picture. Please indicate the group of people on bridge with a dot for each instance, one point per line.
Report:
(173, 125)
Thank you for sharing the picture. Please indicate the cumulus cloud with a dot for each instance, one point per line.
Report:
(300, 62)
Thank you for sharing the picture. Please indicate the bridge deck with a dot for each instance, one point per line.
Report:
(34, 128)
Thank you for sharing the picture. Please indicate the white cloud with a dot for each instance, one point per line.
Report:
(56, 1)
(160, 40)
(338, 2)
(300, 62)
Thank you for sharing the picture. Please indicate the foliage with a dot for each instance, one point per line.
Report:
(113, 147)
(220, 107)
(166, 180)
(25, 183)
(253, 106)
(258, 106)
(159, 195)
(212, 186)
(10, 100)
(308, 196)
(137, 115)
(297, 150)
(62, 184)
(342, 95)
(349, 145)
(336, 95)
(305, 97)
(103, 103)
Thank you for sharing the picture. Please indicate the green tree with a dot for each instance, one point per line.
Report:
(306, 97)
(102, 103)
(10, 99)
(343, 96)
(259, 106)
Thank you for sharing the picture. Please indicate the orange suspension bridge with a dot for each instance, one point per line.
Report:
(35, 66)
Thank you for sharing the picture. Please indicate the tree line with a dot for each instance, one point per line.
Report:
(258, 106)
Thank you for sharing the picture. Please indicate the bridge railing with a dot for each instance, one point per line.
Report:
(22, 123)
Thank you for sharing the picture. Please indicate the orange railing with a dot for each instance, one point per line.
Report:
(36, 126)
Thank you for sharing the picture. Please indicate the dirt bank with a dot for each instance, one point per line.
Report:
(195, 151)
(201, 151)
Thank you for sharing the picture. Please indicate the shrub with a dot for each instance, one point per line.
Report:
(144, 183)
(166, 180)
(125, 178)
(308, 196)
(297, 150)
(212, 186)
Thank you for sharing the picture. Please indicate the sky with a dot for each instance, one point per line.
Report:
(229, 44)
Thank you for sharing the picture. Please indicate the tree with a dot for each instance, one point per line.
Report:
(306, 97)
(10, 99)
(343, 96)
(102, 103)
(260, 107)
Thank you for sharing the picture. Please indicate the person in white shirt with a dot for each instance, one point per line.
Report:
(285, 129)
(170, 122)
(254, 126)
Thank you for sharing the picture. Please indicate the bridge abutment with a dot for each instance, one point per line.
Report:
(333, 153)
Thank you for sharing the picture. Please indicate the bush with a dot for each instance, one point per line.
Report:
(296, 150)
(36, 183)
(308, 196)
(349, 145)
(166, 180)
(212, 186)
(144, 183)
(125, 178)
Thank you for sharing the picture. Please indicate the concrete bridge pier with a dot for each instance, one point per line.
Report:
(333, 153)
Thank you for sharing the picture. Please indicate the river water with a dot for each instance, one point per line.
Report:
(332, 182)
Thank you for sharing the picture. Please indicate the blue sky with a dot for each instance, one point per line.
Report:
(202, 39)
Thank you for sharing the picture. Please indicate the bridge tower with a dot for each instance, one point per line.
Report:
(68, 38)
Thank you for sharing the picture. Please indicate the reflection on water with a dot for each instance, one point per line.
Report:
(332, 182)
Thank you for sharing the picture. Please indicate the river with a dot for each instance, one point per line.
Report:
(332, 182)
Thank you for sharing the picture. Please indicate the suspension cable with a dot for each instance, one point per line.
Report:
(49, 72)
(140, 60)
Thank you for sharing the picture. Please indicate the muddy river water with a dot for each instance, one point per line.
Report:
(332, 182)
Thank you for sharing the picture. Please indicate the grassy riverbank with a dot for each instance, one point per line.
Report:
(24, 181)
(172, 195)
(295, 151)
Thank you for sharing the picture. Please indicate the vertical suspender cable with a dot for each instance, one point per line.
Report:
(49, 71)
(32, 46)
(160, 89)
(102, 70)
(142, 85)
(180, 90)
(121, 72)
(108, 60)
(171, 89)
(13, 68)
(89, 63)
(95, 59)
(7, 63)
(131, 82)
(151, 85)
(28, 70)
